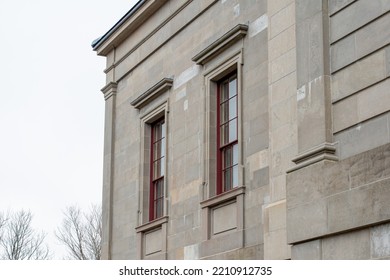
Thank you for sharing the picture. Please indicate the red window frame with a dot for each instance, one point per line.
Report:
(227, 149)
(157, 170)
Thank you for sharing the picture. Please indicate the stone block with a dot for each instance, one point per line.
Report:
(359, 207)
(283, 137)
(258, 124)
(224, 218)
(355, 16)
(278, 188)
(343, 53)
(282, 160)
(281, 43)
(282, 20)
(362, 106)
(277, 215)
(314, 121)
(337, 5)
(308, 8)
(191, 252)
(253, 235)
(387, 50)
(363, 137)
(348, 246)
(283, 113)
(345, 113)
(252, 253)
(373, 36)
(283, 89)
(302, 49)
(283, 65)
(256, 143)
(316, 181)
(359, 75)
(275, 6)
(275, 245)
(307, 221)
(374, 101)
(310, 250)
(260, 178)
(153, 242)
(380, 241)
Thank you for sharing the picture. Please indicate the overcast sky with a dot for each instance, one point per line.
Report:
(51, 107)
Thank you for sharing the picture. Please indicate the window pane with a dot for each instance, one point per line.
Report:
(224, 134)
(235, 154)
(233, 87)
(157, 132)
(163, 130)
(235, 176)
(157, 150)
(159, 189)
(227, 157)
(162, 154)
(158, 208)
(224, 112)
(233, 108)
(227, 179)
(158, 168)
(224, 92)
(232, 130)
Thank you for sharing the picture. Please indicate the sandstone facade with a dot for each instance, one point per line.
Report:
(311, 164)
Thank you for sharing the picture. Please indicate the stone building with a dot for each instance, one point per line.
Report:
(247, 129)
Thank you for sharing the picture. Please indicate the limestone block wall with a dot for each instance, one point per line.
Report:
(163, 47)
(338, 193)
(359, 38)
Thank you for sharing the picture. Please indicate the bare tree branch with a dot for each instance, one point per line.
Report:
(81, 233)
(20, 241)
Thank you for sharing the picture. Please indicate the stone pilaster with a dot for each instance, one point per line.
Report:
(109, 92)
(313, 83)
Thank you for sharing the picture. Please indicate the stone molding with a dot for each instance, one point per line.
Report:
(229, 195)
(232, 36)
(152, 225)
(143, 99)
(109, 90)
(326, 151)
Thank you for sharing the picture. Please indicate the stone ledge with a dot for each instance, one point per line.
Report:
(162, 86)
(232, 36)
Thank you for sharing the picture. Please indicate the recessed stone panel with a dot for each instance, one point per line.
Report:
(153, 241)
(224, 218)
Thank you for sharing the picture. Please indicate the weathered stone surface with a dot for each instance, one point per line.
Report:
(307, 221)
(362, 106)
(307, 251)
(363, 137)
(355, 16)
(348, 246)
(359, 75)
(380, 241)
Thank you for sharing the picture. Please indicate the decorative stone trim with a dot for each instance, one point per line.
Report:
(152, 225)
(155, 248)
(162, 86)
(223, 197)
(326, 151)
(232, 36)
(109, 90)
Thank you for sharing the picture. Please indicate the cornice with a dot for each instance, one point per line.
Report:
(325, 151)
(162, 86)
(109, 90)
(226, 40)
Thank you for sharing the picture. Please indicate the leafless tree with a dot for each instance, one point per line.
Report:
(81, 233)
(2, 223)
(19, 241)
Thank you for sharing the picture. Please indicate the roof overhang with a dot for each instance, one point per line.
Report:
(138, 14)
